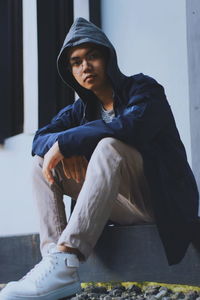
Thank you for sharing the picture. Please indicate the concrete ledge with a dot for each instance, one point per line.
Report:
(135, 253)
(17, 255)
(126, 253)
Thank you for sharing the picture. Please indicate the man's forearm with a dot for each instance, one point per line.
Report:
(43, 142)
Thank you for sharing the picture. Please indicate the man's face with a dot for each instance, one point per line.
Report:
(88, 66)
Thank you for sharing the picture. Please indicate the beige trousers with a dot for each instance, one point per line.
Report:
(114, 189)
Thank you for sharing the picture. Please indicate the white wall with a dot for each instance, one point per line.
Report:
(150, 37)
(81, 9)
(18, 212)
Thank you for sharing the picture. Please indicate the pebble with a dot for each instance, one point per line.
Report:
(115, 293)
(151, 290)
(151, 297)
(98, 289)
(164, 288)
(178, 295)
(83, 296)
(161, 294)
(191, 295)
(134, 288)
(107, 297)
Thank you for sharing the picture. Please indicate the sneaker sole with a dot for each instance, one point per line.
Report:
(64, 292)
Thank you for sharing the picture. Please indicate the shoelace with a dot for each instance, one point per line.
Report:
(42, 269)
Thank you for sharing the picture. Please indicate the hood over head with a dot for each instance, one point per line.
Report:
(81, 32)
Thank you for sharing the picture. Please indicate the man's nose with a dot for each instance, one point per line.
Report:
(86, 65)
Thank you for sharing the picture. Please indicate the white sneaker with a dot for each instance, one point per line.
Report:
(53, 278)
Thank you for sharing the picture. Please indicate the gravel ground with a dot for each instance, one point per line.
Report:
(133, 291)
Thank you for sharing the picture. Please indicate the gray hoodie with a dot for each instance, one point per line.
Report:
(81, 32)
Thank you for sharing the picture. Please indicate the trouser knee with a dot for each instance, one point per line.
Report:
(110, 146)
(106, 145)
(37, 166)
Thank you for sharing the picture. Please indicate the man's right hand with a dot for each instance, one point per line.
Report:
(75, 167)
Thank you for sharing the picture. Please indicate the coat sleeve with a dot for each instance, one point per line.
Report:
(142, 119)
(48, 135)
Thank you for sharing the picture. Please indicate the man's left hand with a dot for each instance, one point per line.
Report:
(51, 159)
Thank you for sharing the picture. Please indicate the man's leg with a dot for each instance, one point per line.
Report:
(114, 183)
(114, 188)
(49, 200)
(56, 276)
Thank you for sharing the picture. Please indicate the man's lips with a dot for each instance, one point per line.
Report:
(89, 77)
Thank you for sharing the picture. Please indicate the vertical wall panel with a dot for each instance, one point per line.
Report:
(11, 65)
(30, 59)
(54, 20)
(95, 12)
(193, 35)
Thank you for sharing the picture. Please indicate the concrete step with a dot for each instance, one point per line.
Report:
(125, 253)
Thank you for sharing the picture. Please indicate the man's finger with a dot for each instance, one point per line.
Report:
(48, 175)
(75, 167)
(85, 162)
(65, 168)
(78, 168)
(83, 168)
(68, 168)
(71, 168)
(85, 165)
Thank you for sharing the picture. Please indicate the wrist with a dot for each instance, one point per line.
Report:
(57, 148)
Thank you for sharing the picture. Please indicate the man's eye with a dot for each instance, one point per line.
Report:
(93, 56)
(76, 63)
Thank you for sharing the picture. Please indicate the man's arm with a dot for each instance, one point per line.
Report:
(45, 145)
(145, 116)
(142, 119)
(46, 137)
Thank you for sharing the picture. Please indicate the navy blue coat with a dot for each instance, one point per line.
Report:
(143, 119)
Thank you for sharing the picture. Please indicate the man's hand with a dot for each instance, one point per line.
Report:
(51, 159)
(75, 167)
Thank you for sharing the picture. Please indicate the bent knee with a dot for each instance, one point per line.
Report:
(37, 165)
(107, 146)
(105, 142)
(37, 161)
(110, 145)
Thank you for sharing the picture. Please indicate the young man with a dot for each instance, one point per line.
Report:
(117, 151)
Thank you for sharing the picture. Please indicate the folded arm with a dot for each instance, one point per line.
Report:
(137, 126)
